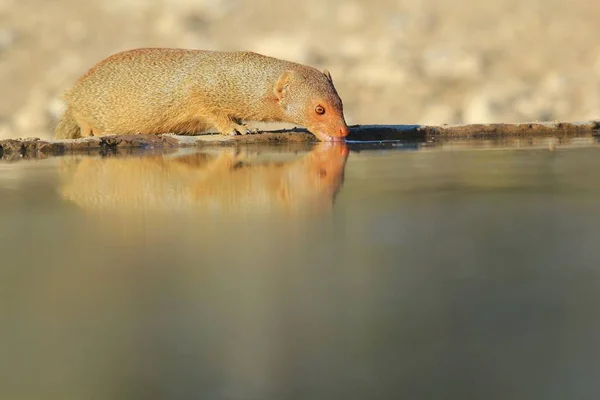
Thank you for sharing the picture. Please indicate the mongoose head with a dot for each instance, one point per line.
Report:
(308, 98)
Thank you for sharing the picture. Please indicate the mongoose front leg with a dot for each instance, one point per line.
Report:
(231, 126)
(242, 129)
(248, 130)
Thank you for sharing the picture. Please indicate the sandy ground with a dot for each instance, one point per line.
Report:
(399, 62)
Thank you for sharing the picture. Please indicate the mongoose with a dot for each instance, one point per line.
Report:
(162, 90)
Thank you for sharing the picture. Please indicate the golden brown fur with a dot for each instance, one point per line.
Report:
(160, 90)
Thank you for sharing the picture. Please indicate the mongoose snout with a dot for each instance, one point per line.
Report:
(161, 90)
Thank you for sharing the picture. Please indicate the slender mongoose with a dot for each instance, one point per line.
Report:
(182, 91)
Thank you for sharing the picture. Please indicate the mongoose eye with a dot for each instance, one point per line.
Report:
(320, 110)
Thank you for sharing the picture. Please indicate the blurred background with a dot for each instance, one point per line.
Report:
(400, 62)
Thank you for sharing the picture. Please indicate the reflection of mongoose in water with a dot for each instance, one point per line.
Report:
(158, 90)
(208, 183)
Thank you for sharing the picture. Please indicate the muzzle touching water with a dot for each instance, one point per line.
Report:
(338, 135)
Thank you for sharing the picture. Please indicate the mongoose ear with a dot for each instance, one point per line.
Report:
(282, 84)
(328, 75)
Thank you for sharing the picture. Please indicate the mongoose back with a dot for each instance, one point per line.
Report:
(161, 90)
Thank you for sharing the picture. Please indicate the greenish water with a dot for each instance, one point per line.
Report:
(385, 273)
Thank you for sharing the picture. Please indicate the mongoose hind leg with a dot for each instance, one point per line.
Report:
(85, 128)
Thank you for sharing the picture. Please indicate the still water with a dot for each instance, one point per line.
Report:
(325, 272)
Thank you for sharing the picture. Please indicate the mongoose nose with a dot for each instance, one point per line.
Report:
(344, 131)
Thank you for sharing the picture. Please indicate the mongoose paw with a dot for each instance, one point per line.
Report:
(242, 130)
(247, 130)
(238, 129)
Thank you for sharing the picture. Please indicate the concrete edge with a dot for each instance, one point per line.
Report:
(35, 147)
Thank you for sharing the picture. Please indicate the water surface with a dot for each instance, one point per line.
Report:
(329, 272)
